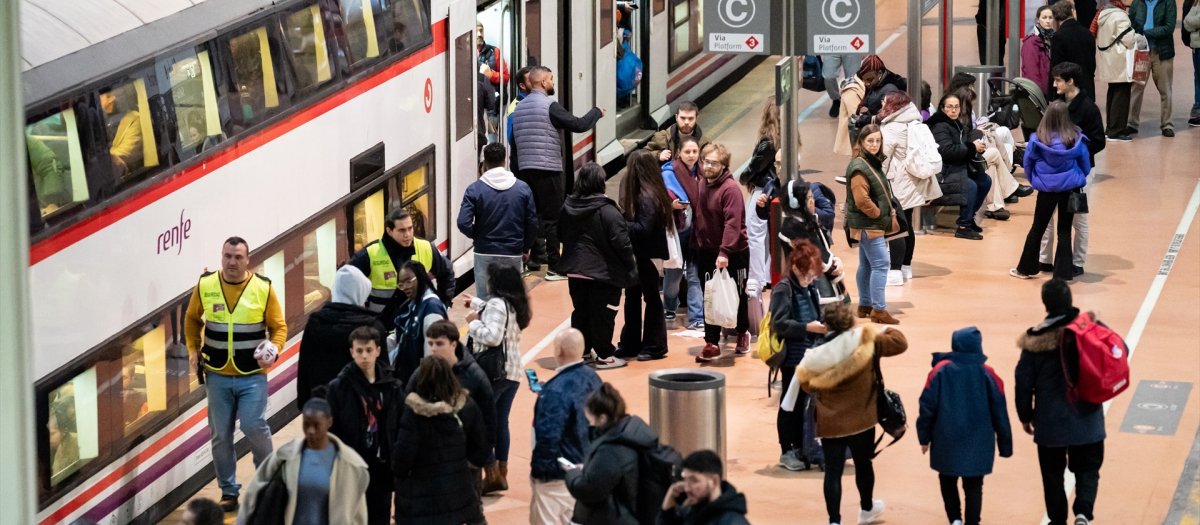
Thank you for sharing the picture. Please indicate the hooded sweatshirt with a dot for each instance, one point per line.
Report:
(325, 349)
(963, 414)
(350, 286)
(1054, 167)
(728, 509)
(605, 489)
(498, 213)
(720, 217)
(363, 409)
(595, 241)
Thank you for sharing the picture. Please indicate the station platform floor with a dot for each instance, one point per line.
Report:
(1142, 278)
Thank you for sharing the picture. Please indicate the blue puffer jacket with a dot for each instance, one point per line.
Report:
(792, 308)
(963, 414)
(498, 213)
(559, 427)
(1054, 167)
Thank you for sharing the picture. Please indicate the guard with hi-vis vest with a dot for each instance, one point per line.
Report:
(380, 260)
(236, 328)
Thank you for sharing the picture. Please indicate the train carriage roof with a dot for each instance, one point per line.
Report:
(69, 42)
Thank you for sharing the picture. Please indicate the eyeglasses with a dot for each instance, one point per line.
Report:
(948, 106)
(778, 164)
(873, 141)
(712, 163)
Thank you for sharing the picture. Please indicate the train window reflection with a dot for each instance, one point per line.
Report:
(410, 26)
(368, 220)
(687, 36)
(56, 162)
(129, 129)
(144, 378)
(415, 194)
(320, 265)
(275, 269)
(72, 426)
(306, 43)
(361, 31)
(197, 117)
(255, 73)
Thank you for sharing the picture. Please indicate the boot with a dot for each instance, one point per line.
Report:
(493, 481)
(503, 467)
(883, 317)
(864, 311)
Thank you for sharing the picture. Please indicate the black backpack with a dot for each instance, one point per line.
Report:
(658, 468)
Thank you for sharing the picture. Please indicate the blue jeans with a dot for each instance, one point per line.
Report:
(505, 391)
(483, 262)
(978, 184)
(244, 398)
(672, 280)
(873, 261)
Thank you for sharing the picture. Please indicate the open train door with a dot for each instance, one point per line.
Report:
(606, 44)
(462, 76)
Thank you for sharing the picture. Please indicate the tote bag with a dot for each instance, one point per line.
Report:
(674, 258)
(721, 300)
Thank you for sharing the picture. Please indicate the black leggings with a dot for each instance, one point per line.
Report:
(902, 249)
(973, 492)
(862, 447)
(790, 425)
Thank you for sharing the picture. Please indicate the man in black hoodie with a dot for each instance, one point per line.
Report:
(362, 397)
(325, 349)
(703, 497)
(1073, 42)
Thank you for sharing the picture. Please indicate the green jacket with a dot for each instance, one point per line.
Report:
(880, 194)
(1160, 36)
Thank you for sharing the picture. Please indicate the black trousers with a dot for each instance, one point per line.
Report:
(902, 249)
(1084, 461)
(790, 425)
(379, 498)
(981, 37)
(648, 333)
(548, 196)
(973, 492)
(1116, 108)
(739, 268)
(1047, 202)
(595, 313)
(862, 447)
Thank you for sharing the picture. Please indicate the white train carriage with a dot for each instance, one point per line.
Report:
(156, 130)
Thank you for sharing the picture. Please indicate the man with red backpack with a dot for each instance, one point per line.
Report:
(1068, 430)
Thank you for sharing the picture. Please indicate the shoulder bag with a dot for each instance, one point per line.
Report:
(890, 411)
(1077, 202)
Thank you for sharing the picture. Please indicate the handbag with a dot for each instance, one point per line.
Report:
(1077, 202)
(271, 505)
(493, 359)
(889, 411)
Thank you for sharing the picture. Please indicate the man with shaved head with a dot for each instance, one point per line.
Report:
(560, 430)
(537, 125)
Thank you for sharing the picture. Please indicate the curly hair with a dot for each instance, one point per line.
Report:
(805, 259)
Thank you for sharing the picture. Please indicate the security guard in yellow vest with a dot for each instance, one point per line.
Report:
(236, 328)
(380, 259)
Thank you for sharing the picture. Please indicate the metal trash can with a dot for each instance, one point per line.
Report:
(687, 409)
(983, 91)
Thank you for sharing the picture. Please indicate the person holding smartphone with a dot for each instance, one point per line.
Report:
(703, 497)
(682, 177)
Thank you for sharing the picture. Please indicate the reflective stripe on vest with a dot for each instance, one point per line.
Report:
(233, 334)
(383, 272)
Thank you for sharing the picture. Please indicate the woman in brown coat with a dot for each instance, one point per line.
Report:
(840, 375)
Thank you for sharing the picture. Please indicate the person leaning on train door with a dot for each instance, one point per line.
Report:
(234, 320)
(380, 259)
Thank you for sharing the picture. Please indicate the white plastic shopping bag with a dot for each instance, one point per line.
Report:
(674, 251)
(721, 300)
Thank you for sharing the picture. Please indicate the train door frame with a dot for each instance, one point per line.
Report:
(462, 147)
(513, 55)
(604, 81)
(564, 77)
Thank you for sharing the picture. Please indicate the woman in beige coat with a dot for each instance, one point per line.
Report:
(852, 92)
(1114, 37)
(326, 480)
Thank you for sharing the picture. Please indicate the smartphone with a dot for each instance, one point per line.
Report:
(534, 385)
(565, 463)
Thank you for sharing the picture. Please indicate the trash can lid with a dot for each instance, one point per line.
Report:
(980, 69)
(687, 379)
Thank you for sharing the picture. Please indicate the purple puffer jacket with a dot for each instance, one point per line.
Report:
(1035, 61)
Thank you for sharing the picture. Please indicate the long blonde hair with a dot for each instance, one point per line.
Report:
(769, 126)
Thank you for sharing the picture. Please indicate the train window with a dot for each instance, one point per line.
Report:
(319, 262)
(410, 26)
(606, 23)
(464, 84)
(660, 6)
(56, 162)
(410, 186)
(189, 81)
(687, 36)
(254, 73)
(306, 42)
(367, 218)
(73, 426)
(144, 378)
(275, 269)
(361, 19)
(127, 123)
(533, 31)
(365, 166)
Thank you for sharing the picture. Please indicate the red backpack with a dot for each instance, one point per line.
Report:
(1103, 361)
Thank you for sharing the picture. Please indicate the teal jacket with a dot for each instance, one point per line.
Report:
(1161, 36)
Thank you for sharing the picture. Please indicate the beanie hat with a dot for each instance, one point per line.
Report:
(871, 63)
(1056, 295)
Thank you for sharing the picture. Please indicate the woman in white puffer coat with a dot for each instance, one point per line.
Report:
(1114, 37)
(898, 111)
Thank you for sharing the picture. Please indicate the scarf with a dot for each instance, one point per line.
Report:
(1095, 28)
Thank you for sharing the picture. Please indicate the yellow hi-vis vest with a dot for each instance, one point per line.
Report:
(233, 332)
(383, 272)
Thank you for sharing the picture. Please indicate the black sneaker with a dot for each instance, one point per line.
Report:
(1000, 214)
(624, 354)
(229, 503)
(669, 316)
(533, 266)
(1168, 132)
(1131, 130)
(835, 109)
(1011, 199)
(647, 355)
(1046, 267)
(975, 227)
(1077, 270)
(1022, 191)
(967, 233)
(1194, 122)
(1120, 137)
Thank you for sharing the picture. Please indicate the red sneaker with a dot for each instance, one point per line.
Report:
(709, 353)
(743, 344)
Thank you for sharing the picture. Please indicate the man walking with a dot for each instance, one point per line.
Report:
(380, 259)
(498, 213)
(235, 322)
(664, 145)
(719, 241)
(536, 125)
(1156, 21)
(849, 65)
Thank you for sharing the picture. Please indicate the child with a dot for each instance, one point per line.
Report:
(963, 417)
(362, 397)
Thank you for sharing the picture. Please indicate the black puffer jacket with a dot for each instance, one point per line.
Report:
(728, 509)
(325, 349)
(435, 446)
(605, 490)
(762, 164)
(595, 241)
(347, 397)
(956, 150)
(646, 231)
(475, 380)
(1042, 395)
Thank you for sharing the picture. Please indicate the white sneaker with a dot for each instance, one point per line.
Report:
(871, 516)
(608, 363)
(957, 522)
(895, 278)
(907, 271)
(1081, 520)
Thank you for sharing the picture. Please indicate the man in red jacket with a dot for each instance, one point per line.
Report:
(719, 241)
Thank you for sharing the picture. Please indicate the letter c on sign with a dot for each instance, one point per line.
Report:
(736, 13)
(840, 14)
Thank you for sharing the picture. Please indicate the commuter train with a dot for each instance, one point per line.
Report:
(157, 129)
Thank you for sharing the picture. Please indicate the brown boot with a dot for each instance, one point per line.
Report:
(864, 311)
(883, 317)
(503, 466)
(492, 480)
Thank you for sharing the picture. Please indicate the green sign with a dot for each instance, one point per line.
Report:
(784, 79)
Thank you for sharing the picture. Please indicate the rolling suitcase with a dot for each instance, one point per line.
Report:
(811, 453)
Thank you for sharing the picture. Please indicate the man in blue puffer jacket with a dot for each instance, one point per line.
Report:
(498, 213)
(963, 418)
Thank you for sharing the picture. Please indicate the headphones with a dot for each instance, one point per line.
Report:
(792, 201)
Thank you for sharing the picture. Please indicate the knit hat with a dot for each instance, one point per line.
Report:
(350, 286)
(1056, 295)
(871, 63)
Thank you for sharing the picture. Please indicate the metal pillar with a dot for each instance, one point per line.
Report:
(914, 49)
(992, 34)
(1016, 12)
(946, 43)
(18, 483)
(790, 115)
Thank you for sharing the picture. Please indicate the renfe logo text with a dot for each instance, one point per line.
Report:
(175, 236)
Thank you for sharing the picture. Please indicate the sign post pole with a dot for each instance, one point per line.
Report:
(946, 43)
(787, 96)
(915, 12)
(1016, 12)
(993, 33)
